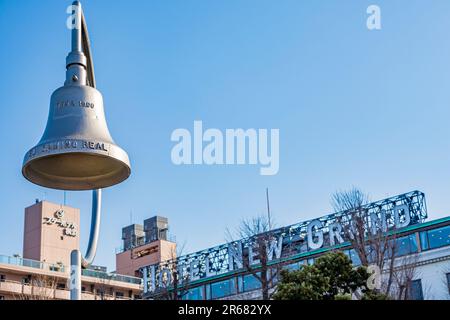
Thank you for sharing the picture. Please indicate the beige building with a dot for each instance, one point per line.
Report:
(51, 232)
(144, 245)
(129, 262)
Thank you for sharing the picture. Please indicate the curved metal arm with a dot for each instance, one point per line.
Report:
(87, 51)
(95, 228)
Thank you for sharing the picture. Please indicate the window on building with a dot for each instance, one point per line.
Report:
(275, 274)
(406, 245)
(2, 297)
(60, 286)
(292, 266)
(424, 240)
(56, 268)
(249, 283)
(2, 278)
(439, 237)
(208, 291)
(353, 255)
(83, 289)
(223, 288)
(371, 254)
(415, 291)
(119, 294)
(26, 280)
(194, 294)
(402, 246)
(448, 282)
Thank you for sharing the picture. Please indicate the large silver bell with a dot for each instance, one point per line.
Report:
(76, 151)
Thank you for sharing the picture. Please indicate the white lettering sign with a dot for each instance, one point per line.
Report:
(315, 234)
(69, 228)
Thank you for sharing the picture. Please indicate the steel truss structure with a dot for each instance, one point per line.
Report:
(220, 259)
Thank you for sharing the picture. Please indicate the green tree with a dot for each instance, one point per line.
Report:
(374, 295)
(305, 284)
(331, 277)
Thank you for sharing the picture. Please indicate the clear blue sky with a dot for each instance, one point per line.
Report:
(354, 107)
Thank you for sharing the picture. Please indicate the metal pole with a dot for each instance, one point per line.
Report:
(75, 275)
(81, 43)
(76, 31)
(76, 260)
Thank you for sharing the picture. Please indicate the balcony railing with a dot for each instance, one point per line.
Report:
(18, 261)
(17, 290)
(110, 276)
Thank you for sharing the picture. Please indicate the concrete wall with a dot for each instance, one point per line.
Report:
(435, 264)
(49, 242)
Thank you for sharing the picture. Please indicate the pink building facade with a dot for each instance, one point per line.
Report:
(51, 232)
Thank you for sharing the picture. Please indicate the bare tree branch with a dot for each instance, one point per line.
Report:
(372, 245)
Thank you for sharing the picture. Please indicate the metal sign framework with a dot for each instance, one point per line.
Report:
(287, 241)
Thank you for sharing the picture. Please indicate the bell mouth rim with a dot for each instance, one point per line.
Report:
(100, 181)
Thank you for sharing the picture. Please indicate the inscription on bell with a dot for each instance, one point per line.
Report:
(58, 145)
(94, 146)
(73, 103)
(68, 144)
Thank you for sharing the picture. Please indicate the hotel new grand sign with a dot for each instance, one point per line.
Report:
(283, 243)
